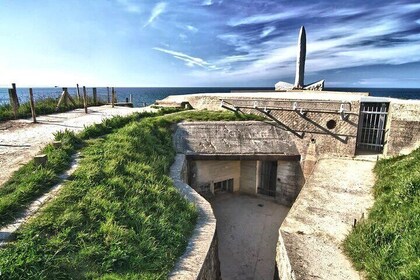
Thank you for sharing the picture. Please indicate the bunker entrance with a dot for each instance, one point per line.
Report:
(268, 176)
(372, 124)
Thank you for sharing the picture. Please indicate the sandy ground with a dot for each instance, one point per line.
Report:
(339, 191)
(247, 228)
(20, 140)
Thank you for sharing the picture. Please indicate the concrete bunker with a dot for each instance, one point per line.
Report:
(239, 157)
(255, 158)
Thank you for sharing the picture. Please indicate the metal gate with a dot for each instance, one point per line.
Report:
(268, 178)
(372, 124)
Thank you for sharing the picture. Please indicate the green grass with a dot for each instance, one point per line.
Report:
(42, 107)
(120, 216)
(387, 244)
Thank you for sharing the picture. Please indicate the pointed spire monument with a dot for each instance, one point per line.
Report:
(300, 59)
(300, 69)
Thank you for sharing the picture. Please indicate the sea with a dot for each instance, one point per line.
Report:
(142, 96)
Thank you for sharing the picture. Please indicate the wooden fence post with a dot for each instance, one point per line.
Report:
(32, 103)
(107, 90)
(16, 99)
(85, 99)
(113, 97)
(64, 96)
(78, 92)
(95, 97)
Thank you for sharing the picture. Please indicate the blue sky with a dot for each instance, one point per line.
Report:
(208, 42)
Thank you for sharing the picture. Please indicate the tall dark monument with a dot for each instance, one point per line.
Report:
(300, 69)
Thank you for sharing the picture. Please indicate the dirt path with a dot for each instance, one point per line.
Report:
(20, 140)
(339, 191)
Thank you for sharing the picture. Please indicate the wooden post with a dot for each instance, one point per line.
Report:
(131, 98)
(85, 99)
(113, 97)
(68, 96)
(107, 90)
(78, 93)
(16, 99)
(95, 100)
(32, 104)
(65, 98)
(12, 103)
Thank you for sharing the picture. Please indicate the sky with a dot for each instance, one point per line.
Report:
(209, 43)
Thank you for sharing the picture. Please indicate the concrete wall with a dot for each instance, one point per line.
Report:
(284, 269)
(307, 132)
(200, 260)
(403, 127)
(290, 180)
(203, 172)
(248, 177)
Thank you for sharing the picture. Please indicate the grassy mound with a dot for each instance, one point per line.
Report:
(120, 216)
(387, 244)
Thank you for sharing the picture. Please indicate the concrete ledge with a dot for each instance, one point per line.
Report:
(200, 260)
(284, 268)
(282, 157)
(311, 236)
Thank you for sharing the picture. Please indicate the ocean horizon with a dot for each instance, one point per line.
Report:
(148, 95)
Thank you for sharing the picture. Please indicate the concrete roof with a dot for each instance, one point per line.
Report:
(296, 94)
(233, 138)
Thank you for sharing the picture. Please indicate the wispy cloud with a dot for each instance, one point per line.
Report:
(158, 9)
(190, 61)
(207, 2)
(267, 31)
(192, 28)
(264, 18)
(384, 35)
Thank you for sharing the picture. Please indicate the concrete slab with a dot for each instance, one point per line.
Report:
(339, 191)
(247, 229)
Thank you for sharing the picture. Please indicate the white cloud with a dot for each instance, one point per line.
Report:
(190, 61)
(263, 18)
(207, 2)
(192, 28)
(267, 31)
(158, 9)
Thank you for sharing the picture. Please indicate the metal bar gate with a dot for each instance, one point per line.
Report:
(372, 124)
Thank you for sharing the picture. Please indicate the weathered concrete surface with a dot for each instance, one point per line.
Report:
(21, 140)
(403, 127)
(200, 260)
(304, 127)
(247, 235)
(338, 192)
(242, 138)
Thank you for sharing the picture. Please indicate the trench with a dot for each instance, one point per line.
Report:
(248, 201)
(247, 229)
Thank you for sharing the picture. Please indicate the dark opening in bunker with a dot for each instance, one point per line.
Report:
(268, 179)
(224, 186)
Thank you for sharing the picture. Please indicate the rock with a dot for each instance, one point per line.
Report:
(283, 86)
(315, 86)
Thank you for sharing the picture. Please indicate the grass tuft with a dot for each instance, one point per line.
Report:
(387, 244)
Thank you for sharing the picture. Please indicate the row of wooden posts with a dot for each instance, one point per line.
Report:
(64, 98)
